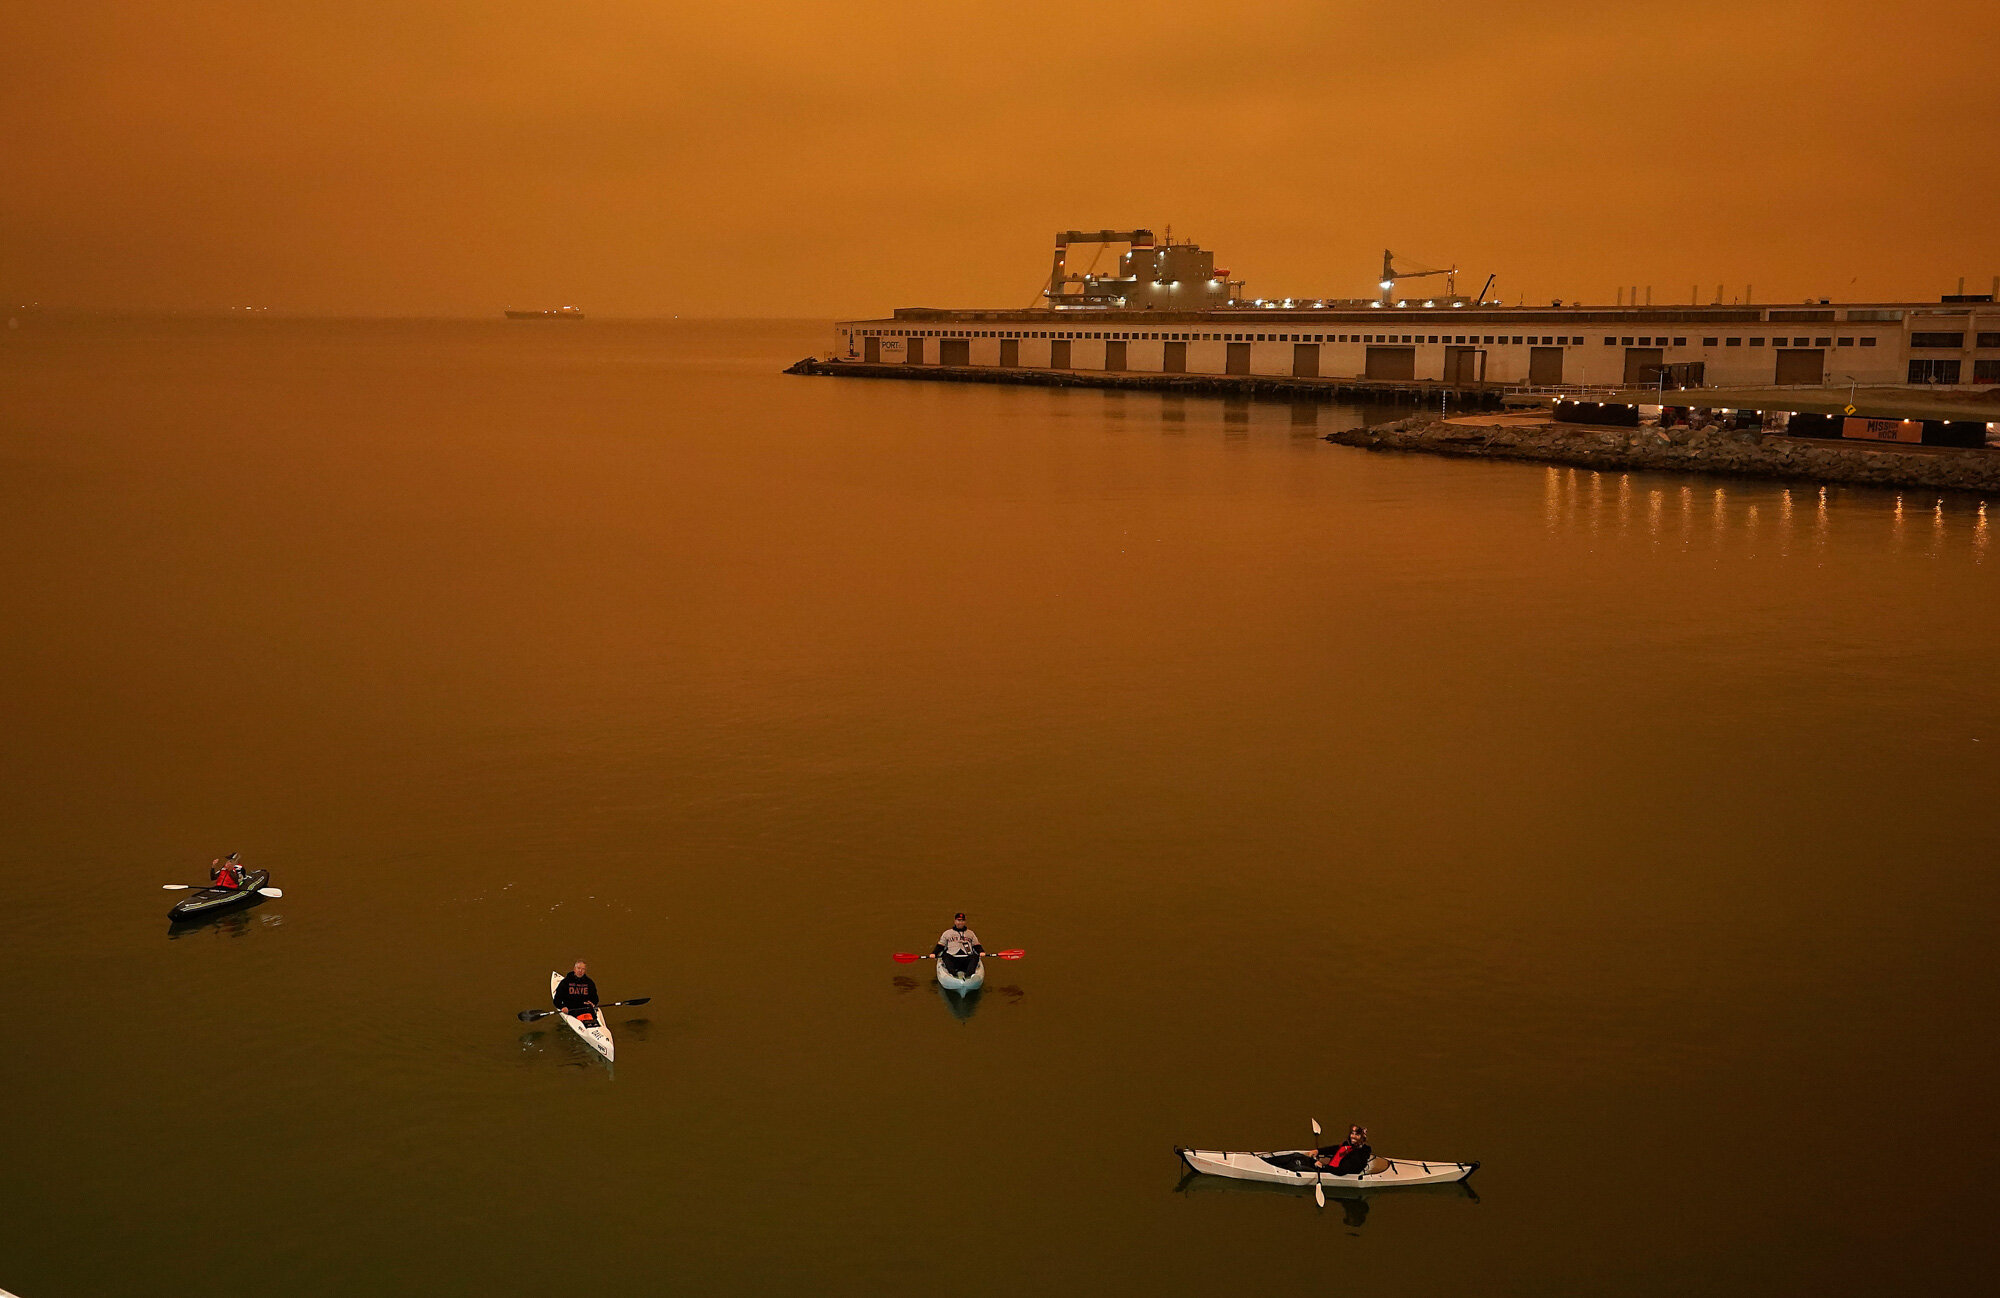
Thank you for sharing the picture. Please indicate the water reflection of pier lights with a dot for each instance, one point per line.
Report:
(1757, 517)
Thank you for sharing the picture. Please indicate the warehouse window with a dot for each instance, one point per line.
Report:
(1629, 341)
(1610, 342)
(1986, 371)
(1936, 340)
(1933, 371)
(1711, 342)
(1735, 342)
(1759, 342)
(1847, 342)
(1988, 340)
(1822, 342)
(1867, 342)
(1680, 342)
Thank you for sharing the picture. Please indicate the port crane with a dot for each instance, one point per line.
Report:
(1390, 275)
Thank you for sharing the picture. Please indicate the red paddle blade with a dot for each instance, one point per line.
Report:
(904, 957)
(1011, 953)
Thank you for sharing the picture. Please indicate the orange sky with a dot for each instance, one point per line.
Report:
(792, 158)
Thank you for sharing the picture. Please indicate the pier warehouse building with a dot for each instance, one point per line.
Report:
(1169, 310)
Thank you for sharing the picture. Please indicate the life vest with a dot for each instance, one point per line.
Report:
(226, 877)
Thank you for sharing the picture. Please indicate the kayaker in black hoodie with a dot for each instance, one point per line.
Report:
(576, 993)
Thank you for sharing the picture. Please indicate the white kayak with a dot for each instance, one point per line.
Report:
(1382, 1173)
(971, 982)
(595, 1035)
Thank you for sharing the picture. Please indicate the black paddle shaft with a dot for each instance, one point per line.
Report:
(529, 1016)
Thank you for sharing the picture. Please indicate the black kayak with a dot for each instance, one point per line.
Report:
(214, 901)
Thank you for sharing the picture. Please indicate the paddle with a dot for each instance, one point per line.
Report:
(204, 887)
(1012, 953)
(1319, 1187)
(529, 1016)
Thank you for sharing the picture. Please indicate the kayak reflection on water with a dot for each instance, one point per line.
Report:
(1354, 1206)
(963, 1005)
(232, 923)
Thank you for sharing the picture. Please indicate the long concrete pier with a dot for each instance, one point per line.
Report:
(1457, 396)
(1739, 453)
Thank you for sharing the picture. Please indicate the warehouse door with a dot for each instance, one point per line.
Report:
(1238, 360)
(1305, 360)
(1010, 351)
(1392, 363)
(955, 351)
(916, 356)
(1176, 359)
(1801, 365)
(1464, 365)
(871, 348)
(1114, 356)
(1643, 365)
(1059, 354)
(1545, 366)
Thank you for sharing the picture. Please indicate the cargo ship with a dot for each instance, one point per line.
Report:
(559, 313)
(1168, 309)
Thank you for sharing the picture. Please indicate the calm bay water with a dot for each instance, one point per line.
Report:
(1634, 835)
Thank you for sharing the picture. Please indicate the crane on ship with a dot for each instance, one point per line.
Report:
(1390, 275)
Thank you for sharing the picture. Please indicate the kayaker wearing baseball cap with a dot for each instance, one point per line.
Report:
(1350, 1157)
(958, 947)
(228, 872)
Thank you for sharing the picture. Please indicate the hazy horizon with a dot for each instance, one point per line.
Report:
(783, 161)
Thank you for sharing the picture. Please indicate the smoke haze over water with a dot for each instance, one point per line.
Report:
(797, 159)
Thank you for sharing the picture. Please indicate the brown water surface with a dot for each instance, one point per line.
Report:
(1634, 835)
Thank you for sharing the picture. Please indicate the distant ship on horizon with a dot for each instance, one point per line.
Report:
(560, 313)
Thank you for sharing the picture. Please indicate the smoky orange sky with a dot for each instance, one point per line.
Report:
(802, 159)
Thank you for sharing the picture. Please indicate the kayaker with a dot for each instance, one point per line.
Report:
(227, 873)
(577, 994)
(958, 947)
(1350, 1157)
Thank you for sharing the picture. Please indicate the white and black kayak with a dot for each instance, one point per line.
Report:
(1287, 1169)
(961, 980)
(214, 901)
(595, 1035)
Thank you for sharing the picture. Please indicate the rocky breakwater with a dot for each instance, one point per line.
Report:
(1743, 453)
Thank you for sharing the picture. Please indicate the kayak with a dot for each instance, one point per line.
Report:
(1382, 1173)
(961, 983)
(213, 901)
(595, 1035)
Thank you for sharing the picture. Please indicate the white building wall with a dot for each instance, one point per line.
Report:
(1864, 352)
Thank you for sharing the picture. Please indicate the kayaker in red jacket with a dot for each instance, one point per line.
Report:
(577, 993)
(1350, 1157)
(227, 873)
